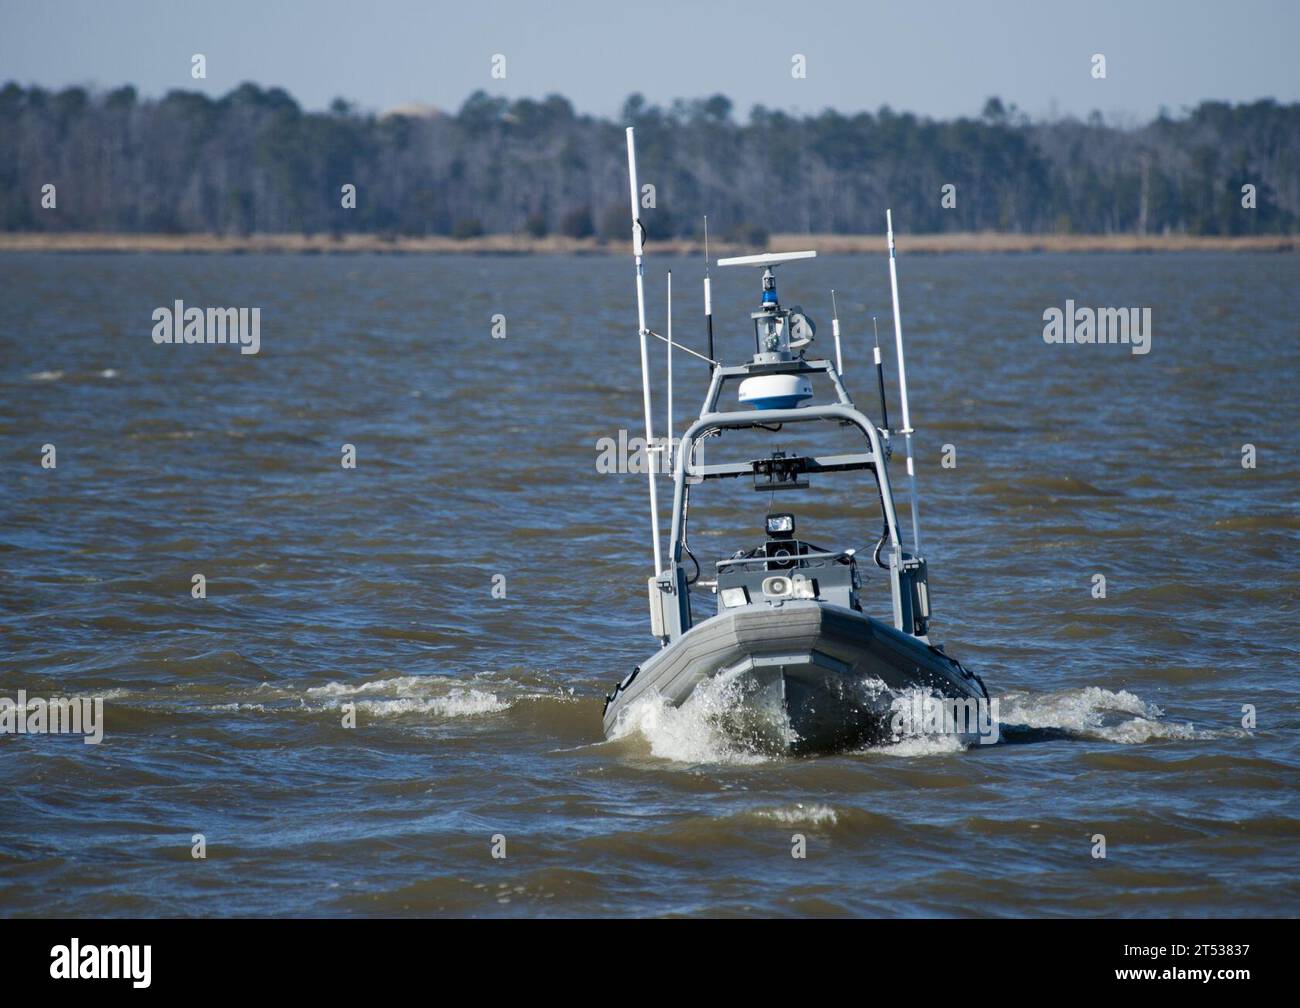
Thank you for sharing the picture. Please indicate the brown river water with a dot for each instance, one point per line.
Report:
(479, 716)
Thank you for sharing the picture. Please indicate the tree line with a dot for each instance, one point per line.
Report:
(255, 161)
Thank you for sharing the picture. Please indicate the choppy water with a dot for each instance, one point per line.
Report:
(480, 716)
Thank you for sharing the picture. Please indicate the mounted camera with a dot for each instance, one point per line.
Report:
(780, 472)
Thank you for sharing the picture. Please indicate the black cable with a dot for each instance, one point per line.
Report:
(875, 555)
(686, 517)
(884, 526)
(698, 571)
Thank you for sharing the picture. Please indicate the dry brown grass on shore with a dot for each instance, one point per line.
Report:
(526, 245)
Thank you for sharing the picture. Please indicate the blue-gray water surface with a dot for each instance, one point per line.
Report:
(371, 589)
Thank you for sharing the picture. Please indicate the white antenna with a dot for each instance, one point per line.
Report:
(902, 387)
(835, 331)
(637, 249)
(668, 431)
(708, 290)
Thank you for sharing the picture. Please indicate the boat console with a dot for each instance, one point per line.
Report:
(783, 568)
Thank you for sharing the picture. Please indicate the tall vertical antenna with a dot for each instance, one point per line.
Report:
(835, 331)
(638, 234)
(668, 430)
(708, 291)
(902, 387)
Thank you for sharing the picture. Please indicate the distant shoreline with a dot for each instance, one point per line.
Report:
(323, 244)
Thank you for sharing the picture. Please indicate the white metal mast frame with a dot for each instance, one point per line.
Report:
(902, 388)
(668, 430)
(643, 332)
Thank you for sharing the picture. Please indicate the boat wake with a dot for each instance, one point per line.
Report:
(724, 720)
(410, 697)
(1089, 713)
(435, 695)
(719, 723)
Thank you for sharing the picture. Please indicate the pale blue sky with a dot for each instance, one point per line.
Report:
(940, 59)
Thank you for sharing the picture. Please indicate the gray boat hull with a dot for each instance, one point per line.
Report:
(830, 672)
